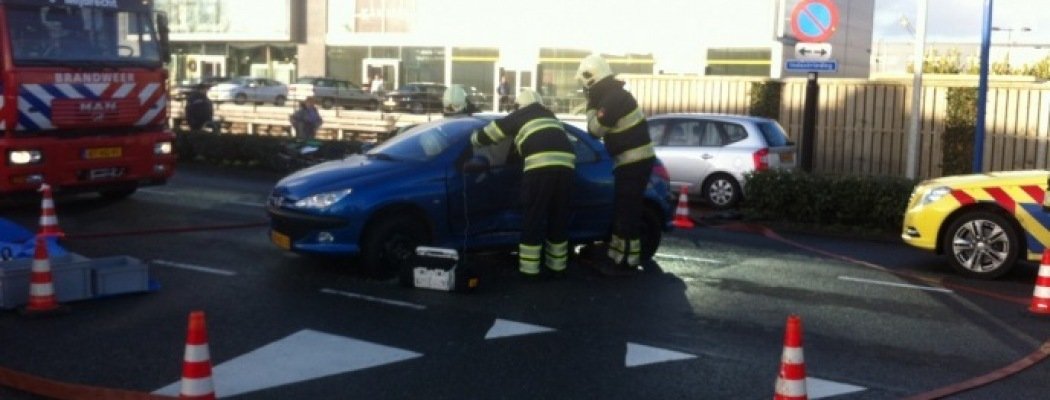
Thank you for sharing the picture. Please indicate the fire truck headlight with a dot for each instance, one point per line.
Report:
(162, 148)
(23, 157)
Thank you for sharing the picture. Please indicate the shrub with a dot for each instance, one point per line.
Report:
(246, 150)
(874, 203)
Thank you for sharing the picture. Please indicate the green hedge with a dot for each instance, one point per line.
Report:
(765, 99)
(960, 127)
(870, 203)
(248, 150)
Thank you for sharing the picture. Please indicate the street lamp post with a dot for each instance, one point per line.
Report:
(1010, 38)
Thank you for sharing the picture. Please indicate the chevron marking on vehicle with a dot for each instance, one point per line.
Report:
(962, 197)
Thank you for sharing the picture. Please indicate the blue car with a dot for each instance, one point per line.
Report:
(429, 186)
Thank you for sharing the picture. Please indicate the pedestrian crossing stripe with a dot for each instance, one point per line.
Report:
(639, 354)
(302, 356)
(503, 328)
(819, 388)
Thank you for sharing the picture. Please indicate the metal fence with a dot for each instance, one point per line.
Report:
(862, 126)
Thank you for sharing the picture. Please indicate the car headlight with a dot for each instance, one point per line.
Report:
(24, 157)
(935, 194)
(322, 200)
(162, 148)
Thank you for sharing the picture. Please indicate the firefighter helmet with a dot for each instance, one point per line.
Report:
(526, 97)
(592, 69)
(454, 100)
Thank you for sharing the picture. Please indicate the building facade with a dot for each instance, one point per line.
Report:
(535, 44)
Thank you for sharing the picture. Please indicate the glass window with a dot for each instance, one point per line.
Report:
(738, 61)
(345, 62)
(773, 133)
(685, 133)
(656, 131)
(584, 153)
(735, 133)
(711, 135)
(50, 33)
(424, 141)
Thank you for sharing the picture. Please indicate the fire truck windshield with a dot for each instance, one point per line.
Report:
(74, 35)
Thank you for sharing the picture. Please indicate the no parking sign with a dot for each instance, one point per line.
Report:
(814, 21)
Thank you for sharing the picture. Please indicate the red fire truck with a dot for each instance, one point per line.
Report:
(83, 96)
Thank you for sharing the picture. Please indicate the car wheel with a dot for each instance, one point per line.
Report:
(652, 232)
(279, 101)
(389, 244)
(982, 244)
(721, 191)
(327, 103)
(240, 99)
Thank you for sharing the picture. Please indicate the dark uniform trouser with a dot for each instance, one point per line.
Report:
(625, 246)
(545, 194)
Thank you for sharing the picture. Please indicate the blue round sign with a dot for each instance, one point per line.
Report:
(814, 20)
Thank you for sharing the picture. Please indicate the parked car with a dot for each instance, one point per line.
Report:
(426, 186)
(479, 99)
(710, 154)
(418, 98)
(245, 89)
(179, 91)
(332, 93)
(983, 223)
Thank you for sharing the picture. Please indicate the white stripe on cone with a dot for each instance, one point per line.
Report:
(197, 353)
(792, 355)
(41, 289)
(196, 387)
(1042, 292)
(1044, 271)
(791, 387)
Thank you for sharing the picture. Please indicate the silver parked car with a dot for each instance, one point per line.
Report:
(711, 153)
(332, 93)
(245, 89)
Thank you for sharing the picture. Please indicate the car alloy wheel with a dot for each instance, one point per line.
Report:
(721, 191)
(390, 243)
(982, 244)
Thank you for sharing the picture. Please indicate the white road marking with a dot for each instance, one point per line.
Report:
(192, 267)
(248, 203)
(819, 388)
(639, 354)
(894, 284)
(159, 192)
(685, 258)
(503, 328)
(302, 356)
(375, 299)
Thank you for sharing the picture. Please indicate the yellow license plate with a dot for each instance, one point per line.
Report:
(281, 240)
(787, 157)
(102, 152)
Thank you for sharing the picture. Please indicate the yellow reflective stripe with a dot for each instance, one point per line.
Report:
(549, 159)
(474, 140)
(494, 132)
(558, 250)
(593, 126)
(529, 259)
(639, 153)
(534, 126)
(631, 119)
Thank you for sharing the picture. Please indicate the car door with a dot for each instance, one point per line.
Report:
(592, 195)
(486, 203)
(678, 144)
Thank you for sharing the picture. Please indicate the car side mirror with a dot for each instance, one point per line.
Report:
(476, 165)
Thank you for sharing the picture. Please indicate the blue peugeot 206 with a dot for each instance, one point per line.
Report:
(429, 186)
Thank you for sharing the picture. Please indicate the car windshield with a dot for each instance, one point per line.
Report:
(52, 34)
(773, 133)
(423, 142)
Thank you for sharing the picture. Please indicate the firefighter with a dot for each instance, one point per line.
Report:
(455, 102)
(549, 163)
(613, 115)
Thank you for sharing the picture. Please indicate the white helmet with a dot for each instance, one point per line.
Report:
(592, 69)
(526, 97)
(454, 100)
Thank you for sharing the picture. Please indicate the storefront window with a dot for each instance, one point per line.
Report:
(383, 16)
(212, 20)
(423, 64)
(474, 68)
(346, 62)
(740, 62)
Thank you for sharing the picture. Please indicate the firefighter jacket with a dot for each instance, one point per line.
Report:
(538, 137)
(614, 116)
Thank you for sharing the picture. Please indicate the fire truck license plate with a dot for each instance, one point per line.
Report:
(281, 240)
(102, 152)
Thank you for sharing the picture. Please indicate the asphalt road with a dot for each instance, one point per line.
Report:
(880, 320)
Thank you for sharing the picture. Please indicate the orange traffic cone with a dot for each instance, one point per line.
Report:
(1041, 295)
(41, 287)
(681, 213)
(791, 381)
(48, 218)
(196, 366)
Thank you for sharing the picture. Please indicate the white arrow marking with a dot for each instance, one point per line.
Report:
(819, 388)
(504, 328)
(638, 354)
(303, 356)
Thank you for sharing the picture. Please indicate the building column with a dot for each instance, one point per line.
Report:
(312, 54)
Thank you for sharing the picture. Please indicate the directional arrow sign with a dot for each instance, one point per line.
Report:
(813, 51)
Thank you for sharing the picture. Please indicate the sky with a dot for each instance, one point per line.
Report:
(961, 20)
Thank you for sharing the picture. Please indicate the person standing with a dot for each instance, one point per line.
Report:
(199, 109)
(376, 87)
(503, 90)
(614, 116)
(546, 186)
(306, 120)
(454, 102)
